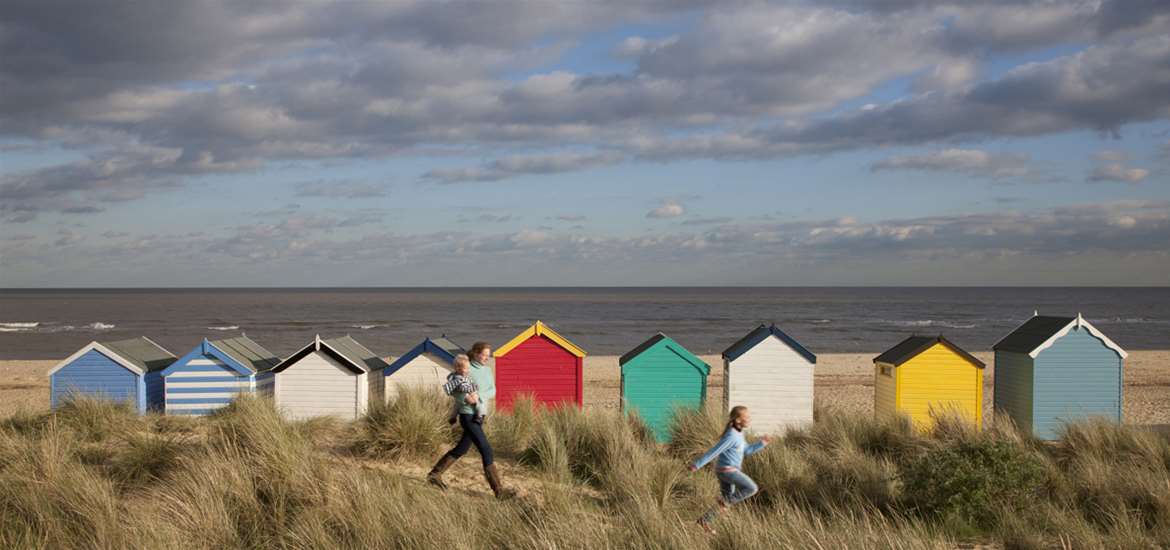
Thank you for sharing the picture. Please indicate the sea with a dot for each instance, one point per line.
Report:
(51, 324)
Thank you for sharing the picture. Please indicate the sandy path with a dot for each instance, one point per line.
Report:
(844, 382)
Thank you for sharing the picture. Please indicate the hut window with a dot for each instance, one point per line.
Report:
(887, 370)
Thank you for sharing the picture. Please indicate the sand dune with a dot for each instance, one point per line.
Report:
(844, 382)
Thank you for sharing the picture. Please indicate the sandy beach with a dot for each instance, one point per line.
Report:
(843, 382)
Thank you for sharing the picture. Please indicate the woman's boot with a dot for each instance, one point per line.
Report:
(435, 477)
(493, 478)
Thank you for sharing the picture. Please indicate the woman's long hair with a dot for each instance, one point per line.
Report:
(476, 348)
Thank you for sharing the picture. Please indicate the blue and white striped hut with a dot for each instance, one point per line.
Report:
(215, 372)
(426, 365)
(124, 370)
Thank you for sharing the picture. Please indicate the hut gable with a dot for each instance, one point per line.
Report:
(1041, 332)
(661, 341)
(540, 329)
(441, 349)
(913, 346)
(760, 334)
(345, 350)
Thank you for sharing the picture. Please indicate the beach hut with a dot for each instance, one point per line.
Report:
(425, 365)
(214, 373)
(541, 363)
(125, 370)
(928, 374)
(772, 375)
(1053, 370)
(658, 376)
(335, 377)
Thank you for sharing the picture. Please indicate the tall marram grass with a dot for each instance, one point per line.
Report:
(94, 475)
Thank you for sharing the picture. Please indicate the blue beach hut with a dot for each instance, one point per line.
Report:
(1053, 370)
(123, 370)
(214, 373)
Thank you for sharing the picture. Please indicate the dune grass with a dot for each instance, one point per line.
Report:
(94, 475)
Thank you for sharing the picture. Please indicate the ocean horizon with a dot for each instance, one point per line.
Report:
(52, 323)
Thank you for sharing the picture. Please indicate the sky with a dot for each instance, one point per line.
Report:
(584, 143)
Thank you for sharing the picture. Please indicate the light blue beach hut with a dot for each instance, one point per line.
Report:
(214, 373)
(1053, 370)
(124, 370)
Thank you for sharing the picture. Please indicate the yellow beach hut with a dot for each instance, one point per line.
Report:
(925, 374)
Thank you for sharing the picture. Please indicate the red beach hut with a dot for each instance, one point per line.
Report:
(542, 363)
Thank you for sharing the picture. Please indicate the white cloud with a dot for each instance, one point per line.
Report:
(668, 209)
(1118, 172)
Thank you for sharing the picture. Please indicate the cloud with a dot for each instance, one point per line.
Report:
(570, 217)
(1114, 171)
(707, 221)
(973, 162)
(668, 209)
(936, 248)
(509, 167)
(341, 189)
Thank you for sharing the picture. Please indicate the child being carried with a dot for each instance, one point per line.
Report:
(460, 382)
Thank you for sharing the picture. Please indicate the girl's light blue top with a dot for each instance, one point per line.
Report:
(483, 377)
(728, 453)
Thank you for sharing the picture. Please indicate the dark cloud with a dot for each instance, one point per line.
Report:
(341, 190)
(707, 221)
(509, 167)
(974, 162)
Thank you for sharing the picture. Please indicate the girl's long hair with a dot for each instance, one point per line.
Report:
(476, 348)
(736, 412)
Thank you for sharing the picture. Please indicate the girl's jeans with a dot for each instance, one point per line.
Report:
(735, 487)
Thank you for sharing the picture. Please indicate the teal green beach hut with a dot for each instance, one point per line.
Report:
(659, 376)
(1053, 370)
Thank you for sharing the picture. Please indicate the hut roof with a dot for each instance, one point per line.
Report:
(909, 348)
(759, 335)
(665, 340)
(442, 347)
(142, 352)
(247, 352)
(1041, 331)
(540, 329)
(344, 350)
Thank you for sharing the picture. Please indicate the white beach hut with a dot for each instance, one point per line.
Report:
(426, 365)
(771, 374)
(335, 377)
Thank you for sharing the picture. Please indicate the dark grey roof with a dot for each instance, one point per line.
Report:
(247, 352)
(451, 347)
(1032, 333)
(641, 347)
(142, 352)
(356, 353)
(912, 346)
